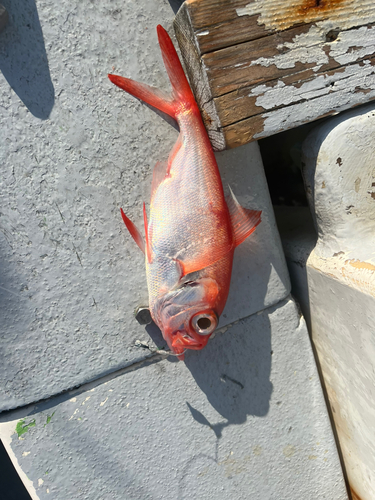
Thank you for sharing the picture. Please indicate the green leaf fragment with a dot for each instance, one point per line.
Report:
(21, 428)
(49, 417)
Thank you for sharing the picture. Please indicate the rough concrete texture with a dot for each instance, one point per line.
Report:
(341, 319)
(340, 183)
(244, 418)
(74, 150)
(340, 178)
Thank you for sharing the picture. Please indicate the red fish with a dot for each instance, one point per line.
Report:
(192, 229)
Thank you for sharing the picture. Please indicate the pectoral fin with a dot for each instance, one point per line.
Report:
(136, 235)
(244, 221)
(206, 258)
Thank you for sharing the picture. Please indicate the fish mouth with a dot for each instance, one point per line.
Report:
(183, 339)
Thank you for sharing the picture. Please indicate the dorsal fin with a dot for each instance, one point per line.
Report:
(244, 221)
(136, 235)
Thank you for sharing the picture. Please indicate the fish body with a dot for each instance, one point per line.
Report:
(192, 229)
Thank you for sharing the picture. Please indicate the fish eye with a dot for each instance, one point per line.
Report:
(205, 322)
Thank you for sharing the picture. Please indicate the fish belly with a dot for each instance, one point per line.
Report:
(189, 220)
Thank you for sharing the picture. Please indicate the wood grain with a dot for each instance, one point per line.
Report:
(225, 34)
(306, 84)
(248, 60)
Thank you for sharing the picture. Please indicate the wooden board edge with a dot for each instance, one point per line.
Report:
(253, 128)
(198, 79)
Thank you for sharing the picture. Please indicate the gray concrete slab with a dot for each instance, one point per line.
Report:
(338, 158)
(299, 237)
(74, 150)
(243, 419)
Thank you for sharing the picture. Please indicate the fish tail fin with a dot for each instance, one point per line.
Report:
(146, 93)
(182, 93)
(181, 89)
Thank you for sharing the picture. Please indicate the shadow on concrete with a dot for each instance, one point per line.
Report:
(234, 372)
(175, 4)
(11, 486)
(157, 337)
(299, 237)
(15, 317)
(23, 58)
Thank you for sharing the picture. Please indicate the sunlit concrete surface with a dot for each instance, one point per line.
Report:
(245, 418)
(74, 150)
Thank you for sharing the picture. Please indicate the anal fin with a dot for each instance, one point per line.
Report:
(244, 221)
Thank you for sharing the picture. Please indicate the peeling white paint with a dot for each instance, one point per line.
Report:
(73, 400)
(104, 402)
(25, 453)
(353, 45)
(312, 48)
(40, 481)
(281, 15)
(203, 33)
(337, 92)
(88, 397)
(305, 48)
(351, 77)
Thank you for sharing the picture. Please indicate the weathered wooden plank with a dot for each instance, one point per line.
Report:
(277, 15)
(225, 34)
(247, 60)
(280, 15)
(355, 87)
(303, 86)
(234, 67)
(210, 12)
(198, 77)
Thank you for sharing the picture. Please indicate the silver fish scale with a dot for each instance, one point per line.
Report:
(181, 208)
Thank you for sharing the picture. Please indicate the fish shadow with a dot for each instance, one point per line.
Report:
(157, 337)
(234, 372)
(23, 58)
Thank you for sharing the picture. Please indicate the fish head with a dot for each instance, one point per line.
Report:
(187, 315)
